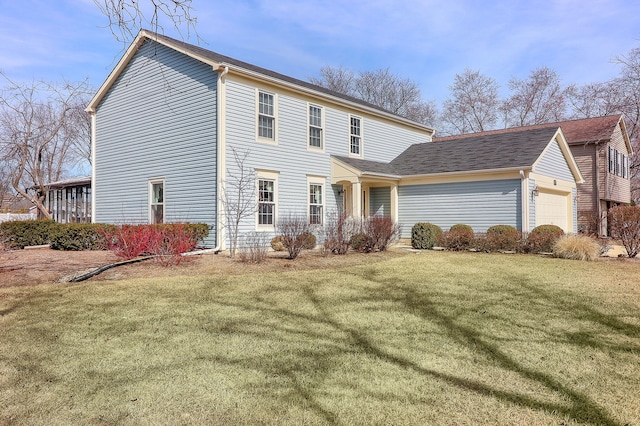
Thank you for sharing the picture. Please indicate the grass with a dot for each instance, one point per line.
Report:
(434, 338)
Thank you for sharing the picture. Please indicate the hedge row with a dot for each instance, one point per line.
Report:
(426, 235)
(71, 236)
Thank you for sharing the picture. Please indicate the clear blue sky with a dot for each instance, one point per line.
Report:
(426, 41)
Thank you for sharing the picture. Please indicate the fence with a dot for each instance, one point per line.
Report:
(6, 217)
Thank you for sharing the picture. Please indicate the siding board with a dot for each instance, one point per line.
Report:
(478, 204)
(158, 121)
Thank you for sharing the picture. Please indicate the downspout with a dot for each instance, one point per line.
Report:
(92, 113)
(221, 151)
(524, 189)
(597, 178)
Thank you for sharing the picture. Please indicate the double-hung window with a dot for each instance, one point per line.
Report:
(612, 160)
(266, 115)
(266, 201)
(156, 201)
(315, 127)
(355, 136)
(316, 200)
(267, 187)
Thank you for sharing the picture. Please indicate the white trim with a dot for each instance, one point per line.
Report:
(261, 139)
(222, 156)
(323, 126)
(273, 176)
(93, 166)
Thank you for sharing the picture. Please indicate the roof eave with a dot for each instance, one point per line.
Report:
(126, 58)
(355, 105)
(470, 172)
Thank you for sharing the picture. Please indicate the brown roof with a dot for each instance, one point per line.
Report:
(575, 131)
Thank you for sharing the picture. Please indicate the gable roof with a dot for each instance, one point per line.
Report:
(505, 150)
(515, 149)
(220, 63)
(579, 131)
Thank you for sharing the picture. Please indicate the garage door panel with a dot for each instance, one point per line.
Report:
(551, 209)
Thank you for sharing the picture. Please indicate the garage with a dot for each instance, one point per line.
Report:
(552, 209)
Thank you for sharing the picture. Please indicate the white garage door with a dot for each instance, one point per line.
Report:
(551, 209)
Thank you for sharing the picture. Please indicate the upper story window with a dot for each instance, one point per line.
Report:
(618, 163)
(315, 127)
(355, 136)
(156, 201)
(266, 115)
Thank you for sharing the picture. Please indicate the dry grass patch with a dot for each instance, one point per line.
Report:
(417, 339)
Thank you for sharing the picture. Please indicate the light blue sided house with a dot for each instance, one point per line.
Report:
(170, 117)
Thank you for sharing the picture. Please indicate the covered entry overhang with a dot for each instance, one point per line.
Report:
(368, 187)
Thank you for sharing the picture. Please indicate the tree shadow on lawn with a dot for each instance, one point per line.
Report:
(343, 338)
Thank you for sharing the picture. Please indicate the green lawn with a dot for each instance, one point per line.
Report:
(431, 338)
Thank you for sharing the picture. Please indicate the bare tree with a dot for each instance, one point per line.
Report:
(473, 105)
(126, 17)
(593, 100)
(40, 123)
(382, 89)
(338, 79)
(238, 197)
(536, 100)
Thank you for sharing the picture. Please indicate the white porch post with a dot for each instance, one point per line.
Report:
(394, 203)
(356, 198)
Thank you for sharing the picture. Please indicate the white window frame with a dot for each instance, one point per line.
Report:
(268, 175)
(152, 217)
(311, 125)
(612, 160)
(269, 140)
(360, 137)
(619, 162)
(322, 182)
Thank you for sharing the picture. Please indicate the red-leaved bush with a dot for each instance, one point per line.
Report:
(167, 242)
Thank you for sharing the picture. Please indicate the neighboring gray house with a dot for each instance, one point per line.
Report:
(169, 118)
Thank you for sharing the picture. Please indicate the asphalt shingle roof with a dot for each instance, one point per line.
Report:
(217, 57)
(582, 130)
(475, 153)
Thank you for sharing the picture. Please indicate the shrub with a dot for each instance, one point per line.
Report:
(459, 237)
(338, 231)
(424, 234)
(167, 241)
(624, 224)
(577, 247)
(277, 244)
(22, 233)
(502, 238)
(308, 240)
(170, 241)
(295, 230)
(542, 238)
(253, 247)
(79, 236)
(382, 231)
(362, 243)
